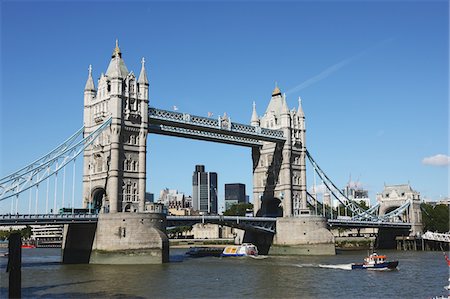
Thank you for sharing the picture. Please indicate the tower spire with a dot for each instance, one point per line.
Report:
(90, 82)
(143, 74)
(300, 109)
(255, 120)
(284, 106)
(116, 51)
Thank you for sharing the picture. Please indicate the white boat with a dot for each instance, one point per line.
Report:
(245, 249)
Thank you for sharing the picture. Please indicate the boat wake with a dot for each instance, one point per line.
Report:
(258, 257)
(338, 267)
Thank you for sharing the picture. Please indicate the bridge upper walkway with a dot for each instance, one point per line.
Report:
(220, 130)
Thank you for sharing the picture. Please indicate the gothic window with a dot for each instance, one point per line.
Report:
(135, 192)
(132, 86)
(109, 87)
(128, 192)
(132, 139)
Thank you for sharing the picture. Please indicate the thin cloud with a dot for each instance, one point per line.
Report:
(335, 67)
(437, 160)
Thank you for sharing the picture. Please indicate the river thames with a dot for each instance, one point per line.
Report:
(419, 275)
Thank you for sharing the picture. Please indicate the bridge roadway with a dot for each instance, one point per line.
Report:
(264, 224)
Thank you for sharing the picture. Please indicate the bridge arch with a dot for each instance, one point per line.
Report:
(99, 201)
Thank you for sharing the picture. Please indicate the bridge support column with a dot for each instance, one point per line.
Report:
(386, 237)
(304, 235)
(130, 238)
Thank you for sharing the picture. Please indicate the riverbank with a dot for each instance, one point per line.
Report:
(354, 243)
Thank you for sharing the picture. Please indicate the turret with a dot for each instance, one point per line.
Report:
(255, 119)
(285, 115)
(143, 82)
(89, 97)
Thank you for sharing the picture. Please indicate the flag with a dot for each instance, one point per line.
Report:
(175, 108)
(210, 114)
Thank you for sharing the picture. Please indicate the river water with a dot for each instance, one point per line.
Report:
(420, 275)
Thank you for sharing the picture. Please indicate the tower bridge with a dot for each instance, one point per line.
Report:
(117, 120)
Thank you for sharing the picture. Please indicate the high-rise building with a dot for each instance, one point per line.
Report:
(204, 190)
(234, 193)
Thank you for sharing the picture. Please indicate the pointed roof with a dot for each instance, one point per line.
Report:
(276, 103)
(255, 118)
(276, 91)
(117, 67)
(143, 74)
(116, 51)
(90, 81)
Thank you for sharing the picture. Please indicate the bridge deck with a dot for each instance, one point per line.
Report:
(265, 224)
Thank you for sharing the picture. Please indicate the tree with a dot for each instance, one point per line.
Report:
(435, 218)
(238, 209)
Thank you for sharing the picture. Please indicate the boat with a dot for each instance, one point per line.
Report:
(376, 262)
(204, 251)
(246, 249)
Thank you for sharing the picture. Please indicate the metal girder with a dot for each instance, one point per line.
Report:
(369, 224)
(263, 224)
(44, 219)
(203, 135)
(219, 130)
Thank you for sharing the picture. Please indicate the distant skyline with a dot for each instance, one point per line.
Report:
(372, 75)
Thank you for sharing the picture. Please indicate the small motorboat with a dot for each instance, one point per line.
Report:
(376, 262)
(245, 249)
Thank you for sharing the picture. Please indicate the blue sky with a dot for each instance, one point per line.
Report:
(373, 76)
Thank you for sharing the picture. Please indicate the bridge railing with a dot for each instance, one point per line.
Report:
(45, 219)
(437, 236)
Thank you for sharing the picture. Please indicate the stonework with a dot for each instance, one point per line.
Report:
(115, 164)
(279, 170)
(393, 197)
(131, 238)
(302, 236)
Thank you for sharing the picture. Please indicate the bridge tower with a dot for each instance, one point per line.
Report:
(395, 196)
(115, 165)
(115, 173)
(279, 170)
(279, 185)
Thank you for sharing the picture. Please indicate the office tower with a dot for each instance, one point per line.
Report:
(234, 193)
(204, 190)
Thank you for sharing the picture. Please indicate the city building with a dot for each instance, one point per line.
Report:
(149, 197)
(171, 198)
(234, 193)
(357, 194)
(188, 201)
(204, 190)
